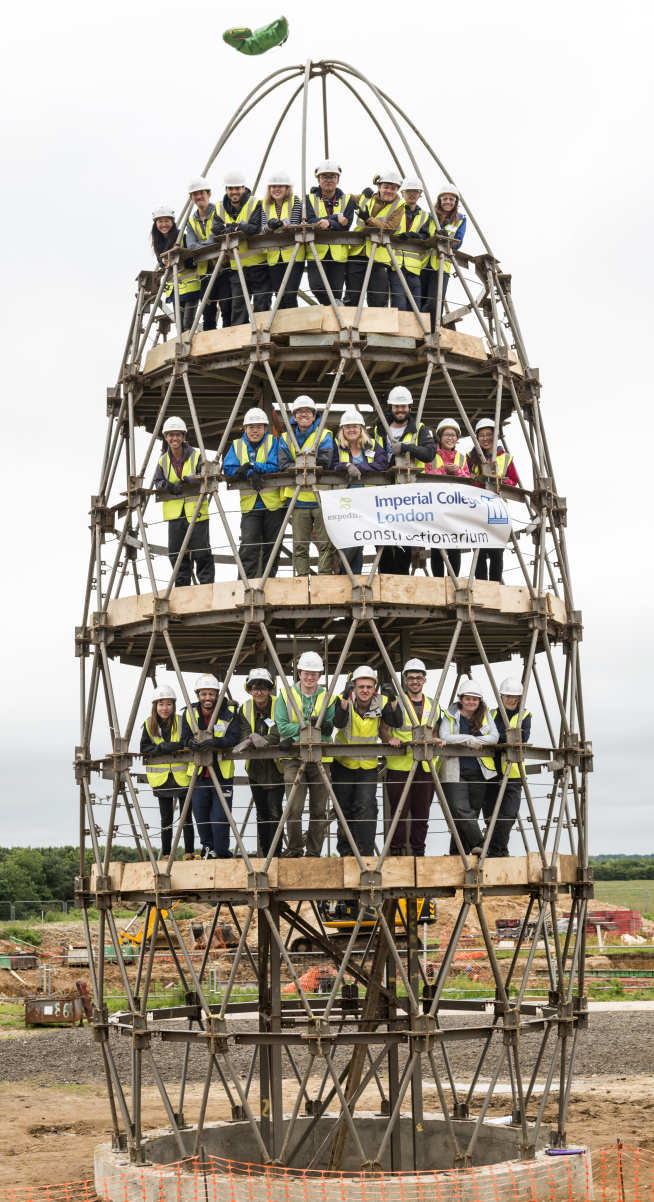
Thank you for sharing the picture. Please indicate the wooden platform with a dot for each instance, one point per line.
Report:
(333, 876)
(206, 620)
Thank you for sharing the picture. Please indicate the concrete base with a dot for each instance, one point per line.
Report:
(497, 1168)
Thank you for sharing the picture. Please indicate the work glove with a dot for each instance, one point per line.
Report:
(313, 720)
(175, 490)
(168, 747)
(353, 471)
(256, 469)
(348, 690)
(401, 237)
(388, 689)
(275, 224)
(242, 472)
(411, 450)
(368, 192)
(258, 740)
(396, 447)
(198, 742)
(285, 744)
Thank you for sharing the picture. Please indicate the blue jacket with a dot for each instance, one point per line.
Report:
(323, 454)
(231, 461)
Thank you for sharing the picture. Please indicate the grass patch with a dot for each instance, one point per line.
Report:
(12, 1016)
(24, 934)
(629, 895)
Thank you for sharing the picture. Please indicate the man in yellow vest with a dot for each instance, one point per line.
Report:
(412, 229)
(306, 520)
(358, 715)
(240, 213)
(210, 818)
(511, 691)
(308, 698)
(381, 211)
(409, 437)
(328, 208)
(203, 227)
(168, 778)
(252, 458)
(266, 779)
(410, 835)
(180, 464)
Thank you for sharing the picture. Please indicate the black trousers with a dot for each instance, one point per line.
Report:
(356, 791)
(259, 529)
(167, 795)
(438, 563)
(354, 556)
(188, 304)
(198, 554)
(269, 803)
(378, 285)
(335, 273)
(276, 274)
(432, 295)
(399, 299)
(489, 565)
(395, 560)
(499, 840)
(257, 282)
(465, 799)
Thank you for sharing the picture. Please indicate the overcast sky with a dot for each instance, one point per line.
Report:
(542, 113)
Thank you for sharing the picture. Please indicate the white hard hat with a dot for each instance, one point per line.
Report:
(258, 674)
(484, 423)
(469, 688)
(199, 184)
(207, 682)
(411, 184)
(511, 687)
(235, 179)
(352, 417)
(389, 177)
(164, 211)
(414, 665)
(448, 190)
(364, 673)
(304, 402)
(164, 693)
(328, 167)
(255, 417)
(174, 423)
(449, 423)
(279, 177)
(399, 395)
(309, 661)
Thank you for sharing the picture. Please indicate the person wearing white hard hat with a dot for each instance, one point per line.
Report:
(180, 464)
(453, 223)
(328, 208)
(280, 210)
(358, 715)
(307, 521)
(381, 211)
(411, 231)
(408, 438)
(468, 724)
(410, 834)
(204, 225)
(165, 235)
(447, 462)
(258, 730)
(308, 696)
(511, 692)
(252, 458)
(168, 777)
(491, 561)
(240, 213)
(225, 727)
(356, 455)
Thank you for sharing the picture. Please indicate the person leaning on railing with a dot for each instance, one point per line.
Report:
(307, 521)
(179, 464)
(328, 208)
(203, 226)
(468, 723)
(380, 210)
(408, 437)
(168, 777)
(410, 835)
(490, 561)
(511, 691)
(266, 778)
(308, 697)
(224, 730)
(447, 462)
(281, 209)
(253, 457)
(414, 224)
(358, 456)
(165, 235)
(452, 223)
(239, 212)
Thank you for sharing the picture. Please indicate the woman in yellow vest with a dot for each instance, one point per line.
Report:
(511, 691)
(165, 235)
(180, 464)
(168, 778)
(253, 457)
(280, 210)
(468, 724)
(447, 462)
(490, 562)
(357, 455)
(452, 223)
(381, 211)
(223, 729)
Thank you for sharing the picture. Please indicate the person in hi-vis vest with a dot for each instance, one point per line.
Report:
(202, 227)
(308, 697)
(381, 210)
(411, 231)
(307, 522)
(408, 437)
(239, 212)
(165, 236)
(359, 457)
(280, 210)
(511, 693)
(266, 778)
(491, 561)
(410, 835)
(468, 724)
(253, 458)
(210, 818)
(161, 737)
(179, 464)
(447, 462)
(328, 208)
(452, 223)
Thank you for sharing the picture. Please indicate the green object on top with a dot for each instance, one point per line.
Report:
(257, 41)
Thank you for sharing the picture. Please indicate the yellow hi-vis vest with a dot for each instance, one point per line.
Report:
(402, 762)
(409, 436)
(381, 252)
(458, 461)
(408, 258)
(487, 760)
(248, 258)
(450, 228)
(315, 709)
(173, 508)
(226, 766)
(271, 497)
(339, 253)
(205, 235)
(157, 774)
(250, 716)
(502, 464)
(514, 770)
(308, 445)
(284, 214)
(358, 730)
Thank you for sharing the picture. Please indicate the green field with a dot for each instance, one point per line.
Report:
(631, 895)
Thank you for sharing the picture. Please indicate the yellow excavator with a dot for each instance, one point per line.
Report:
(134, 938)
(338, 918)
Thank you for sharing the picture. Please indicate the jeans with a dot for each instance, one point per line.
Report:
(210, 311)
(312, 781)
(432, 295)
(335, 273)
(276, 274)
(308, 526)
(268, 802)
(414, 820)
(354, 556)
(188, 304)
(213, 827)
(499, 840)
(489, 565)
(167, 796)
(438, 563)
(465, 799)
(198, 553)
(378, 284)
(258, 285)
(356, 791)
(259, 529)
(399, 299)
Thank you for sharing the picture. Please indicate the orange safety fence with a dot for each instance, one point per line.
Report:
(611, 1174)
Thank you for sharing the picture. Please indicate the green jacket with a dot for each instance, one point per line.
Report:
(287, 726)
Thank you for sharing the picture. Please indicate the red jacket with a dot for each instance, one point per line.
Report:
(435, 468)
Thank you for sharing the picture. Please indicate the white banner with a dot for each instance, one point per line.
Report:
(437, 512)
